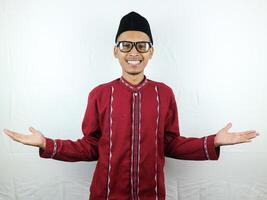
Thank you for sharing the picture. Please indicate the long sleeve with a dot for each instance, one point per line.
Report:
(84, 149)
(179, 147)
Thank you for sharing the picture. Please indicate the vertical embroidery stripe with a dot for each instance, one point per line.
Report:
(156, 143)
(110, 141)
(54, 149)
(206, 147)
(139, 133)
(132, 184)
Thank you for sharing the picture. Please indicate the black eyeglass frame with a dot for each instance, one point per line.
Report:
(134, 44)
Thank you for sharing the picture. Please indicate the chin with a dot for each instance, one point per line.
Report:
(133, 73)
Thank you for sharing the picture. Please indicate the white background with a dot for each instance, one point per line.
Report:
(212, 53)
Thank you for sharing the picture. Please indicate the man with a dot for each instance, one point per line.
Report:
(130, 125)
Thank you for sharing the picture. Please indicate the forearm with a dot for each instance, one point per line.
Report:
(192, 148)
(84, 149)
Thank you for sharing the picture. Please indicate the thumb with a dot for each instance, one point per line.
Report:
(33, 130)
(228, 126)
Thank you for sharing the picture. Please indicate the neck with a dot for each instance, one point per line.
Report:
(133, 79)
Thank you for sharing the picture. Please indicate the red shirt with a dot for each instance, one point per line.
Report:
(129, 129)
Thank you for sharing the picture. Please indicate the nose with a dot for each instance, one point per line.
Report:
(134, 50)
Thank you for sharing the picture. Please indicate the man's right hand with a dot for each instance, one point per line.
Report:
(35, 139)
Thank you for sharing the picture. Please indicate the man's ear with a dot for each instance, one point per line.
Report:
(115, 52)
(151, 52)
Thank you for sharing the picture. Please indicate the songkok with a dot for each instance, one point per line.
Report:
(134, 22)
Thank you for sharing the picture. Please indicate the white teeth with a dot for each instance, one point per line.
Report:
(134, 62)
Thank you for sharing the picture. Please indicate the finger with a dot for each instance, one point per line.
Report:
(245, 138)
(9, 132)
(244, 132)
(5, 130)
(15, 136)
(249, 133)
(246, 141)
(251, 136)
(228, 126)
(33, 130)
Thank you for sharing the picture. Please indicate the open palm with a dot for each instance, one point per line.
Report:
(224, 137)
(35, 139)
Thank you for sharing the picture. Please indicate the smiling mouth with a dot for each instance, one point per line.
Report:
(134, 62)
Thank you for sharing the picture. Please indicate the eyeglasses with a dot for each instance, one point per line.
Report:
(140, 46)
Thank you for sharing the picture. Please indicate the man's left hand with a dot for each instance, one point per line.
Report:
(224, 137)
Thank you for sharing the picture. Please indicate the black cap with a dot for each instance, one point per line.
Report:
(134, 22)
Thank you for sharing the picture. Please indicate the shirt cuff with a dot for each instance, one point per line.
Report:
(212, 152)
(50, 149)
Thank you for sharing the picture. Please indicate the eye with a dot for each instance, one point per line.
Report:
(142, 46)
(125, 45)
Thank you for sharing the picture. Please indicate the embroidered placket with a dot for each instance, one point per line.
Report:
(136, 144)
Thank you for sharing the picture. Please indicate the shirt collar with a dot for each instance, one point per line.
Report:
(132, 86)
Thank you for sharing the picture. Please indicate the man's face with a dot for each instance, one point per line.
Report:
(133, 62)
